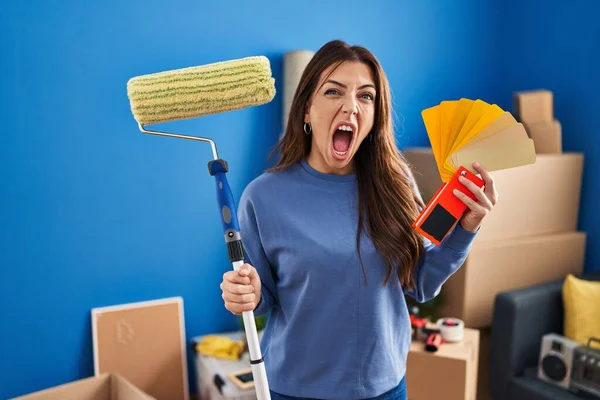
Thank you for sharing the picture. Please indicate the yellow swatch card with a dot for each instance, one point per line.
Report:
(464, 131)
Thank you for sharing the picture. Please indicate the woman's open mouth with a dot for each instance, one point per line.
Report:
(343, 138)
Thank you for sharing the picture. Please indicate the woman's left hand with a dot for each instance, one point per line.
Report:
(486, 199)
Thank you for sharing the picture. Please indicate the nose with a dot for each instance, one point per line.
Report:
(350, 106)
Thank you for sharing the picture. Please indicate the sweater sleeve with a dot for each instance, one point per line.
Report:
(255, 255)
(438, 263)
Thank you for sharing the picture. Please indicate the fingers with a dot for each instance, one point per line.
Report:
(239, 308)
(236, 277)
(483, 200)
(239, 298)
(472, 204)
(490, 186)
(236, 288)
(237, 291)
(249, 271)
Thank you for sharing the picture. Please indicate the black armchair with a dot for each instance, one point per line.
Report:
(521, 318)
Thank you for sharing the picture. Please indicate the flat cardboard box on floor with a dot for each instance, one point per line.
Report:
(536, 199)
(534, 106)
(449, 373)
(546, 136)
(103, 387)
(499, 265)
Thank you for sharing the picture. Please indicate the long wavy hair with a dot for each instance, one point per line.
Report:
(388, 202)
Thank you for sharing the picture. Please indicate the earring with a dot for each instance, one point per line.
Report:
(307, 128)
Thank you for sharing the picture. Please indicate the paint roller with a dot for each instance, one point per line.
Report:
(196, 91)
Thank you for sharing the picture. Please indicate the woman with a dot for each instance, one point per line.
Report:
(329, 243)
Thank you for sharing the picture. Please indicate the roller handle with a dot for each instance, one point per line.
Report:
(233, 239)
(218, 169)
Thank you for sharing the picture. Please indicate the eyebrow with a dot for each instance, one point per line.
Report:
(346, 87)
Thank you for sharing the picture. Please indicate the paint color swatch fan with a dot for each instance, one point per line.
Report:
(462, 132)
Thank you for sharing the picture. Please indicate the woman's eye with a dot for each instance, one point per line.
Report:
(367, 96)
(332, 91)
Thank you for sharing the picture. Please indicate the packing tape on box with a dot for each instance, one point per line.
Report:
(294, 63)
(452, 329)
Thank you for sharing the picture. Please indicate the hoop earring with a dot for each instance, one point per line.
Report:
(307, 128)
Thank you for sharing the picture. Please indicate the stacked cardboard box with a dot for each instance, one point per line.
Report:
(531, 234)
(535, 109)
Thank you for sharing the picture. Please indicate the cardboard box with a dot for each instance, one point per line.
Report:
(144, 342)
(499, 265)
(450, 373)
(533, 106)
(536, 199)
(546, 136)
(103, 387)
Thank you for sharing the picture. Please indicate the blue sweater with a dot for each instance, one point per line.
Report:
(330, 334)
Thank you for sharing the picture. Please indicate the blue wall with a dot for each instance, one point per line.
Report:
(556, 45)
(96, 213)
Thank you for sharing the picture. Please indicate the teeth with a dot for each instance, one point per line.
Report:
(341, 153)
(345, 128)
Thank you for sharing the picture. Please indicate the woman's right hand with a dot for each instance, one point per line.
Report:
(241, 289)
